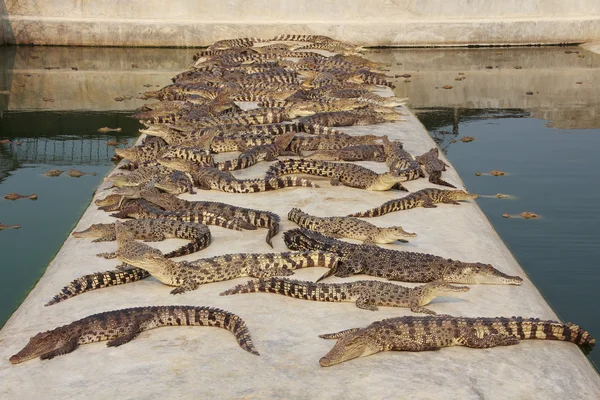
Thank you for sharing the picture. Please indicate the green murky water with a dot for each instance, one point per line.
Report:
(534, 113)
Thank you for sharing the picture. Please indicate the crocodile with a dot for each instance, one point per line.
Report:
(395, 265)
(176, 183)
(366, 97)
(208, 178)
(349, 227)
(426, 198)
(237, 42)
(143, 209)
(348, 174)
(188, 276)
(432, 164)
(329, 142)
(124, 325)
(153, 230)
(365, 152)
(265, 152)
(349, 118)
(399, 160)
(368, 295)
(14, 226)
(257, 218)
(140, 176)
(411, 333)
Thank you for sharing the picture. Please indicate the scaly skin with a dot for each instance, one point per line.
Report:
(189, 275)
(176, 182)
(348, 174)
(98, 280)
(348, 227)
(396, 265)
(267, 152)
(365, 152)
(434, 332)
(349, 118)
(153, 230)
(139, 177)
(142, 209)
(329, 142)
(257, 218)
(122, 326)
(399, 160)
(368, 295)
(208, 178)
(432, 164)
(423, 198)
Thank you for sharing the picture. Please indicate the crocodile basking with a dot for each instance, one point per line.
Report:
(122, 326)
(400, 161)
(208, 178)
(189, 275)
(350, 118)
(348, 174)
(365, 152)
(395, 265)
(349, 227)
(154, 230)
(143, 209)
(432, 164)
(423, 198)
(368, 295)
(266, 152)
(434, 332)
(257, 218)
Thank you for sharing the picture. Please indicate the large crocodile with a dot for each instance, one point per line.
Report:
(154, 230)
(350, 118)
(368, 295)
(423, 198)
(434, 332)
(349, 227)
(348, 174)
(395, 265)
(400, 160)
(257, 218)
(208, 178)
(122, 326)
(189, 275)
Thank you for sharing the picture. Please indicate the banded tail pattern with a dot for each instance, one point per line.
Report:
(293, 288)
(98, 280)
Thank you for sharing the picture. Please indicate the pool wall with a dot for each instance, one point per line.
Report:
(381, 23)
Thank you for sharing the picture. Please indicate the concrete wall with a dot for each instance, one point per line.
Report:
(379, 22)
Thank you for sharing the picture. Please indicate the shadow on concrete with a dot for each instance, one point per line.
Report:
(6, 33)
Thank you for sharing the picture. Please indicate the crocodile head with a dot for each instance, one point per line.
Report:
(118, 180)
(393, 233)
(178, 164)
(478, 273)
(386, 180)
(351, 345)
(126, 153)
(460, 195)
(41, 344)
(95, 231)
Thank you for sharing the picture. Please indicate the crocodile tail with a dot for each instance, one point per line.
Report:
(198, 243)
(233, 323)
(273, 225)
(385, 208)
(288, 181)
(98, 280)
(251, 286)
(534, 328)
(231, 165)
(285, 287)
(301, 218)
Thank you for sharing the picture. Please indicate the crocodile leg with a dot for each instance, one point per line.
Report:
(131, 331)
(105, 239)
(109, 255)
(186, 285)
(420, 309)
(366, 302)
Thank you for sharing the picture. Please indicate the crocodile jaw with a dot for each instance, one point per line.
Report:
(482, 274)
(40, 344)
(96, 230)
(386, 181)
(352, 345)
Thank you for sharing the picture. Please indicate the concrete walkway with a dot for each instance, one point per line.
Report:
(200, 362)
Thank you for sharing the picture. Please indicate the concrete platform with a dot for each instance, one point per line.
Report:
(200, 362)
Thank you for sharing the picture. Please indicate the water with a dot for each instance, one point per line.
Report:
(48, 140)
(546, 141)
